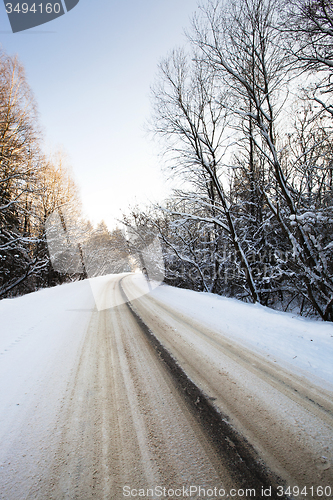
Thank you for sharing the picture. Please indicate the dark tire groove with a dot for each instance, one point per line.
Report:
(243, 462)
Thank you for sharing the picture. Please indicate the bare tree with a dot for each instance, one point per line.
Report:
(190, 113)
(240, 42)
(308, 26)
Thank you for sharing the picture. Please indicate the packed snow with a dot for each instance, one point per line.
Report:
(41, 337)
(301, 345)
(36, 325)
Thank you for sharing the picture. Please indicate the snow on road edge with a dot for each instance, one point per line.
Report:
(301, 345)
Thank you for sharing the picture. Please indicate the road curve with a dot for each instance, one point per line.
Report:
(124, 423)
(287, 420)
(135, 397)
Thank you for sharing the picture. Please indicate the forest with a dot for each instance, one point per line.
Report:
(42, 230)
(243, 116)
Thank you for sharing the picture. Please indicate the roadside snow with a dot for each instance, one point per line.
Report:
(40, 325)
(40, 338)
(42, 334)
(300, 345)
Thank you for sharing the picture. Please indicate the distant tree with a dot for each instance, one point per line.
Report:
(105, 251)
(58, 203)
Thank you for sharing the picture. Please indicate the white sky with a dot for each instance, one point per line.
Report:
(91, 72)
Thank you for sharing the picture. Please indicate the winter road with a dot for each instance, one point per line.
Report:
(107, 413)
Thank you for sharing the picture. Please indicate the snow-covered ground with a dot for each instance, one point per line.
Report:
(42, 336)
(302, 345)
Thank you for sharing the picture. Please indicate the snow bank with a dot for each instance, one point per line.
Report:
(301, 345)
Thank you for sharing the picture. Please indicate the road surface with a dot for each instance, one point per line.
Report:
(112, 414)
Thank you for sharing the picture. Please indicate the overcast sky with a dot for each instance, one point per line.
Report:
(91, 71)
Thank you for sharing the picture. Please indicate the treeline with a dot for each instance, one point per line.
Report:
(244, 114)
(34, 190)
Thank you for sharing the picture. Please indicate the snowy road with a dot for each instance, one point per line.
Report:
(288, 420)
(88, 406)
